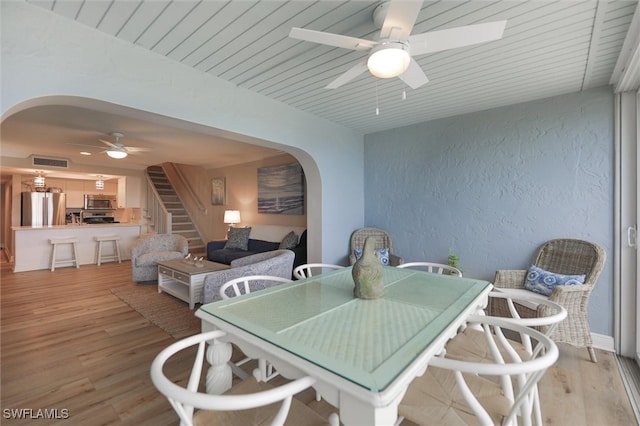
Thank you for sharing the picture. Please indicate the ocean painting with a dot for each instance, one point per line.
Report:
(281, 189)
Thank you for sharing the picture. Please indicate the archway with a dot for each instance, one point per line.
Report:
(314, 201)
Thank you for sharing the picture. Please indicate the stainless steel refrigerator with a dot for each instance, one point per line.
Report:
(43, 208)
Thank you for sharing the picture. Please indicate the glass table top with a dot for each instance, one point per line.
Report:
(368, 342)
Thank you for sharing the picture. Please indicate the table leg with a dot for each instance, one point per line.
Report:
(192, 299)
(354, 411)
(219, 375)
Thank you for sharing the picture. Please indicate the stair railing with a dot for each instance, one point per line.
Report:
(157, 213)
(187, 185)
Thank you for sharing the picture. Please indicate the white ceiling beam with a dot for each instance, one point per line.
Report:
(593, 45)
(626, 74)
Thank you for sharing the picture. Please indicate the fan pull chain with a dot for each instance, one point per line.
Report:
(403, 96)
(377, 109)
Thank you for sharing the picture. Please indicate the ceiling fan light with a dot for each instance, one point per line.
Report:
(117, 154)
(389, 60)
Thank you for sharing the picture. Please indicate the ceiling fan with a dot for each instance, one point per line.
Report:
(391, 55)
(117, 149)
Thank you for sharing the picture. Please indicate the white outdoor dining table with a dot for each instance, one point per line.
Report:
(363, 353)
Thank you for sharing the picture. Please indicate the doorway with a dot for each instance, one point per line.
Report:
(627, 128)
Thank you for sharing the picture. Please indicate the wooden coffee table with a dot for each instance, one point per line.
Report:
(185, 280)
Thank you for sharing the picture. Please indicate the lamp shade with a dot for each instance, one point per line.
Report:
(117, 154)
(100, 183)
(389, 60)
(232, 216)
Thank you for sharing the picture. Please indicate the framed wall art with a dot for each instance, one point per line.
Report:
(281, 189)
(218, 192)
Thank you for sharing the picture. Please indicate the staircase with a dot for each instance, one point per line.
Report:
(181, 221)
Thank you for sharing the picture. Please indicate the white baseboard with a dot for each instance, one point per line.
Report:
(600, 341)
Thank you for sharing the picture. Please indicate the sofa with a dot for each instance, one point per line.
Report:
(261, 239)
(148, 250)
(275, 263)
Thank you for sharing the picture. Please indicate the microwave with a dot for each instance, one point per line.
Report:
(99, 202)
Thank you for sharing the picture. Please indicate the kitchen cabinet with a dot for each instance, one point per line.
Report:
(27, 183)
(110, 187)
(129, 188)
(74, 189)
(55, 183)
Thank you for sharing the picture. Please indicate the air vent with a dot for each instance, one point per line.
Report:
(48, 161)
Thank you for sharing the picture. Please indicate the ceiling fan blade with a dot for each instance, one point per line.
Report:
(401, 17)
(85, 145)
(329, 39)
(436, 41)
(352, 73)
(135, 149)
(414, 77)
(110, 144)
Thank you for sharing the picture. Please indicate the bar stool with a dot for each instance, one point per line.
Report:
(54, 242)
(116, 248)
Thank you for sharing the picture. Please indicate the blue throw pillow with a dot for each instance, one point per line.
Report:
(543, 282)
(383, 255)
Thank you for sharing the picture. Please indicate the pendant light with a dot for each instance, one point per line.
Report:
(100, 183)
(38, 181)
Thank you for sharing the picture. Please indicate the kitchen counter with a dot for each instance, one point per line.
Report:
(75, 225)
(32, 250)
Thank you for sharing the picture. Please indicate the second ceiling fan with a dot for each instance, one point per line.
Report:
(392, 54)
(115, 149)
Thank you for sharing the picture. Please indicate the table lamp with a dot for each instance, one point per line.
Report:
(231, 217)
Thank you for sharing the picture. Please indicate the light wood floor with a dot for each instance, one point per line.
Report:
(68, 343)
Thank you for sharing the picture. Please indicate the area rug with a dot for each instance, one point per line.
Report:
(161, 309)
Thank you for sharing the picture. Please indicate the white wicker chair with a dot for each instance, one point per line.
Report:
(435, 268)
(243, 404)
(454, 391)
(471, 344)
(243, 285)
(310, 269)
(238, 287)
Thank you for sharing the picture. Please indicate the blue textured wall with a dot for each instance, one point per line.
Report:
(494, 185)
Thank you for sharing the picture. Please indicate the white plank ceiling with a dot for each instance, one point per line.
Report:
(549, 48)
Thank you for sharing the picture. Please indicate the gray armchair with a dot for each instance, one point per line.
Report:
(147, 251)
(383, 240)
(562, 256)
(276, 263)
